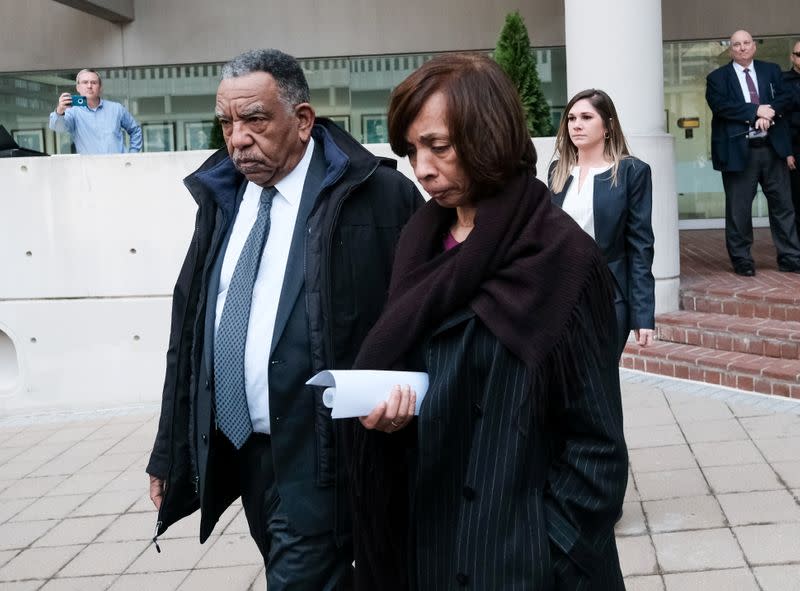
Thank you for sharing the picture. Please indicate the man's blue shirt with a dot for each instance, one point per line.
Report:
(99, 131)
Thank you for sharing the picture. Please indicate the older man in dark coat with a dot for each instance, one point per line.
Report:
(750, 144)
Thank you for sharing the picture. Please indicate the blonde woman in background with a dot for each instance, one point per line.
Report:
(608, 193)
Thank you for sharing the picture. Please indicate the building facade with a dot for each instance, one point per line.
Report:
(93, 267)
(162, 60)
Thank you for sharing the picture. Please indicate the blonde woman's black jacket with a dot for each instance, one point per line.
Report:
(347, 246)
(624, 232)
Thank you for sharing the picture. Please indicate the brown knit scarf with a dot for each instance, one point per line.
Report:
(537, 282)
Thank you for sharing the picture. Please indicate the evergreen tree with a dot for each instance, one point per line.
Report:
(515, 56)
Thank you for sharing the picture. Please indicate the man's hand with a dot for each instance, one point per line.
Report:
(763, 124)
(644, 336)
(766, 112)
(64, 103)
(156, 491)
(791, 162)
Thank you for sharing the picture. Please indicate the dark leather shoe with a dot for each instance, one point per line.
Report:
(745, 270)
(789, 267)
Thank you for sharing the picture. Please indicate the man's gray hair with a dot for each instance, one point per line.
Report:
(88, 71)
(284, 68)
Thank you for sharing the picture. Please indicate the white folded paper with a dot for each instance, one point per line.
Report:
(355, 392)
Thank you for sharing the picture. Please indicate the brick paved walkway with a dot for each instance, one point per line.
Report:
(712, 502)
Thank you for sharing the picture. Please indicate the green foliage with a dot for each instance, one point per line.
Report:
(216, 141)
(518, 60)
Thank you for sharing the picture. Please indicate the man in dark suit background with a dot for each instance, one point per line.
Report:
(750, 144)
(287, 270)
(791, 80)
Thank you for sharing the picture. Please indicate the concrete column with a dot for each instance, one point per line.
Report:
(617, 46)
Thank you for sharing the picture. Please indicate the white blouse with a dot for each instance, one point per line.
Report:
(579, 203)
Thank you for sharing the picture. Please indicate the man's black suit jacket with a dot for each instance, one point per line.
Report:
(733, 116)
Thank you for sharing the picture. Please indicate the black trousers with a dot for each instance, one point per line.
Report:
(293, 562)
(623, 332)
(794, 176)
(765, 168)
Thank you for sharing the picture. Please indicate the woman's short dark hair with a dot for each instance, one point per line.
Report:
(485, 118)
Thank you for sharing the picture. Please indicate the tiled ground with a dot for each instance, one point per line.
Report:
(713, 501)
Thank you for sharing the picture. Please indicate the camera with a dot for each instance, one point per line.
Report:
(78, 100)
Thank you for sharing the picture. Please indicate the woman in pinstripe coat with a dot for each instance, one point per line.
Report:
(513, 473)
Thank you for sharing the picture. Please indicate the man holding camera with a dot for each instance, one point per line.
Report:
(94, 123)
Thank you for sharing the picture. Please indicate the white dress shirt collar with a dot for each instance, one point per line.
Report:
(291, 186)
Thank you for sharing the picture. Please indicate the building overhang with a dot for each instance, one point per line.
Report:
(116, 11)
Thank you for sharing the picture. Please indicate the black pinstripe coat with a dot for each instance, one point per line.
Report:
(499, 503)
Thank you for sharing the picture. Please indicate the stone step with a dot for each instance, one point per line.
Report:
(757, 336)
(744, 371)
(776, 303)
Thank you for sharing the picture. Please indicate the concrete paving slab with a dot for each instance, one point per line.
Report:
(39, 453)
(22, 585)
(107, 558)
(657, 459)
(131, 526)
(82, 483)
(162, 581)
(232, 550)
(14, 469)
(261, 581)
(690, 551)
(654, 436)
(38, 563)
(702, 410)
(637, 556)
(77, 530)
(789, 472)
(128, 480)
(784, 449)
(774, 506)
(742, 478)
(669, 484)
(30, 488)
(683, 513)
(49, 508)
(778, 578)
(237, 578)
(70, 434)
(11, 507)
(648, 417)
(79, 584)
(730, 580)
(772, 426)
(178, 554)
(770, 544)
(109, 462)
(108, 503)
(709, 431)
(6, 555)
(726, 453)
(21, 535)
(651, 583)
(632, 522)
